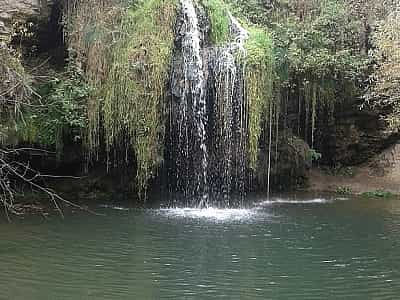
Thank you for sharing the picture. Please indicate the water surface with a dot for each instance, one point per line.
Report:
(283, 249)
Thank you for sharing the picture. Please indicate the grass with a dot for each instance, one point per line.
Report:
(218, 13)
(260, 76)
(126, 52)
(136, 82)
(378, 194)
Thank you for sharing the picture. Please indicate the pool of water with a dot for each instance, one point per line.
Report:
(314, 248)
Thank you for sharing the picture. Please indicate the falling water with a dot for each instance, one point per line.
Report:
(208, 118)
(194, 94)
(229, 112)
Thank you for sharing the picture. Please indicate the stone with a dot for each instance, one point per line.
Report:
(14, 11)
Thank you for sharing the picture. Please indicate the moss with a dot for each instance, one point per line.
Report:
(260, 76)
(129, 69)
(378, 194)
(219, 18)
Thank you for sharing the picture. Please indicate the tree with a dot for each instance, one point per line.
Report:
(385, 91)
(20, 115)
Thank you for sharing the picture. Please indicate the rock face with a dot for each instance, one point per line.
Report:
(290, 163)
(381, 174)
(13, 11)
(356, 137)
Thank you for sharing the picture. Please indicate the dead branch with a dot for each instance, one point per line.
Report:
(22, 173)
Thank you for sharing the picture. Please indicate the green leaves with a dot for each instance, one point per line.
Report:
(59, 113)
(385, 91)
(218, 14)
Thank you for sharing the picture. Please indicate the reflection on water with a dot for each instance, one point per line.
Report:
(286, 248)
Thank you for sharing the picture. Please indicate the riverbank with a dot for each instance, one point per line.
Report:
(380, 174)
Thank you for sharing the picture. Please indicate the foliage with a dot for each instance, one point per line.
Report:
(317, 53)
(138, 73)
(134, 72)
(255, 11)
(260, 78)
(92, 31)
(314, 155)
(385, 91)
(60, 112)
(219, 18)
(378, 194)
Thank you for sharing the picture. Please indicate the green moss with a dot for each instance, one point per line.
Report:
(260, 76)
(378, 194)
(131, 90)
(219, 18)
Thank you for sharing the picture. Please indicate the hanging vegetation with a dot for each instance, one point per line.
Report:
(126, 53)
(260, 76)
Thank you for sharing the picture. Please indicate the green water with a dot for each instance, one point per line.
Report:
(343, 249)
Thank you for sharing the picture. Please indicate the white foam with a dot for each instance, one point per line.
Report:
(295, 201)
(218, 214)
(115, 207)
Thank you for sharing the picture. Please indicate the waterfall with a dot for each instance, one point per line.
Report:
(208, 112)
(193, 102)
(229, 113)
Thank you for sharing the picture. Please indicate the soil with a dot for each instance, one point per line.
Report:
(381, 173)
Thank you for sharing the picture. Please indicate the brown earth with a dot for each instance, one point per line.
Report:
(381, 173)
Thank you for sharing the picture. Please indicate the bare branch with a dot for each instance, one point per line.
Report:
(23, 173)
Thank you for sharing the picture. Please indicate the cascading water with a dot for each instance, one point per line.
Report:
(192, 160)
(208, 123)
(229, 112)
(194, 85)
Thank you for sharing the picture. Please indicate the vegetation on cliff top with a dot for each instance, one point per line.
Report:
(219, 19)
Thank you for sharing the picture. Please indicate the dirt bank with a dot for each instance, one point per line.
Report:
(381, 173)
